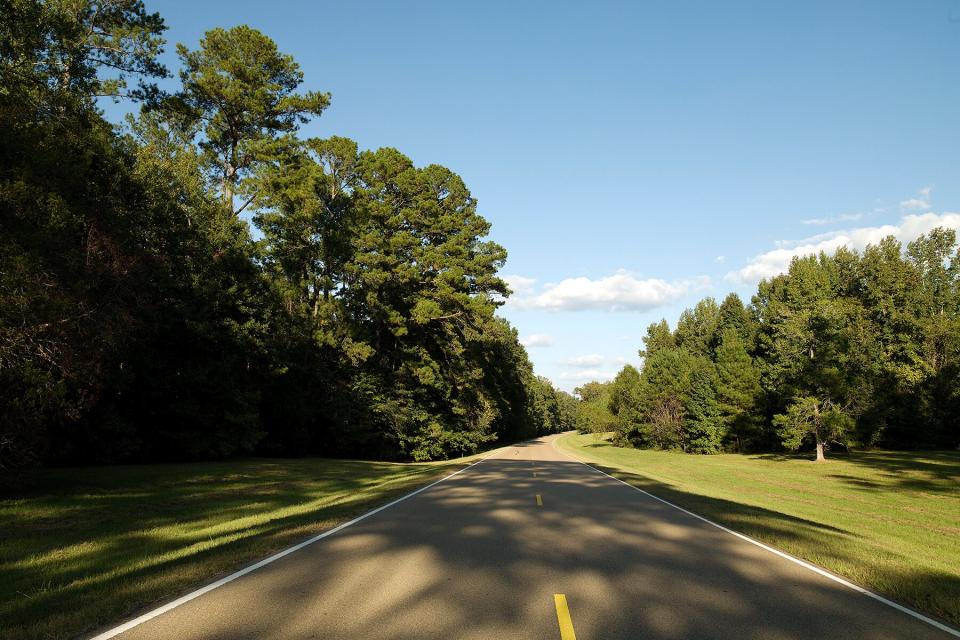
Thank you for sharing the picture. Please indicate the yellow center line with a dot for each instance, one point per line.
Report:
(563, 617)
(539, 500)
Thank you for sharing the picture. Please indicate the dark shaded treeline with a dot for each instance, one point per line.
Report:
(139, 320)
(850, 349)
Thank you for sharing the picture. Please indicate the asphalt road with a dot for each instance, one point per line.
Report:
(480, 556)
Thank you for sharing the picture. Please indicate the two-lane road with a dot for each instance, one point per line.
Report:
(483, 554)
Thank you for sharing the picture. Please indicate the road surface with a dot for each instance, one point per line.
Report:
(486, 553)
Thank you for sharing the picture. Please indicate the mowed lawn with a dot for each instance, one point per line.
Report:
(82, 548)
(889, 521)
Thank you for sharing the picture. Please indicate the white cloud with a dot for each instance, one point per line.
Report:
(535, 340)
(771, 263)
(720, 259)
(519, 285)
(589, 360)
(619, 292)
(588, 375)
(921, 203)
(914, 204)
(843, 217)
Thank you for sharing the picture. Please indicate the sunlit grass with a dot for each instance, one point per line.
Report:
(890, 521)
(82, 548)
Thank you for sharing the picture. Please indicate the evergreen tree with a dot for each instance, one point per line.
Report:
(624, 402)
(703, 424)
(658, 337)
(738, 390)
(243, 93)
(696, 327)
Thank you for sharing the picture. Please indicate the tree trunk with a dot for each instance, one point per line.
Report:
(229, 176)
(228, 194)
(820, 457)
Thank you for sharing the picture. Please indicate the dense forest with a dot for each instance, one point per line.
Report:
(200, 282)
(844, 350)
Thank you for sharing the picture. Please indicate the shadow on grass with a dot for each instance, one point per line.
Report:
(931, 471)
(90, 545)
(933, 592)
(482, 532)
(767, 520)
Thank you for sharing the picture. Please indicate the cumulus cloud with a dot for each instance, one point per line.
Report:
(720, 259)
(519, 285)
(589, 360)
(535, 340)
(771, 263)
(618, 292)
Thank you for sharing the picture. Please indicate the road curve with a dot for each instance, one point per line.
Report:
(483, 554)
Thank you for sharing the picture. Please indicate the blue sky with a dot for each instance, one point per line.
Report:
(634, 157)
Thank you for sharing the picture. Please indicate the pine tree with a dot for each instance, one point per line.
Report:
(738, 390)
(242, 92)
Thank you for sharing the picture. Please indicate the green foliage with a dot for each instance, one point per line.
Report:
(140, 321)
(738, 391)
(241, 91)
(734, 315)
(875, 336)
(58, 53)
(809, 417)
(703, 425)
(696, 327)
(625, 399)
(658, 337)
(594, 413)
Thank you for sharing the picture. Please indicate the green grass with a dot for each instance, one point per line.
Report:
(82, 548)
(889, 521)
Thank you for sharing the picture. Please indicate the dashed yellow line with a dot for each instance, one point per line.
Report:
(539, 500)
(563, 617)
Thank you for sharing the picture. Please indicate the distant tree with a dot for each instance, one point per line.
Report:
(703, 425)
(811, 418)
(677, 404)
(593, 410)
(664, 385)
(812, 341)
(658, 337)
(593, 391)
(243, 91)
(696, 327)
(738, 390)
(568, 411)
(625, 401)
(732, 314)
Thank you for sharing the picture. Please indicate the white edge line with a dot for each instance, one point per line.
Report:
(786, 556)
(150, 615)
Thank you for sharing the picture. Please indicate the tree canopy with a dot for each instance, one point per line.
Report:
(141, 320)
(849, 349)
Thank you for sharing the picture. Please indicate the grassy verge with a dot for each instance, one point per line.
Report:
(889, 521)
(82, 548)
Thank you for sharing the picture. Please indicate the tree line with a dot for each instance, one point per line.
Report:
(202, 282)
(850, 349)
